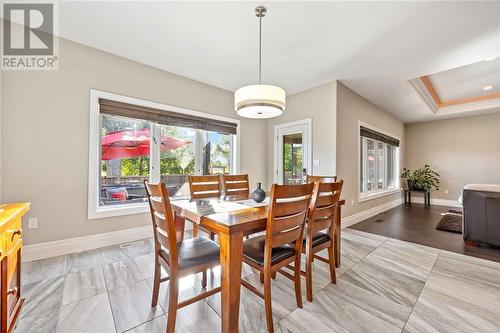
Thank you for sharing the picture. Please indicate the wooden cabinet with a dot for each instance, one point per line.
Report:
(11, 243)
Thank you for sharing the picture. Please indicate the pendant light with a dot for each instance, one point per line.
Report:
(259, 101)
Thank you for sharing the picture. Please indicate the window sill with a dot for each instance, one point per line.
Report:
(366, 197)
(104, 212)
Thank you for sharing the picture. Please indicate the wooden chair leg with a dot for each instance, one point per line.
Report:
(204, 279)
(298, 291)
(309, 268)
(331, 261)
(261, 277)
(195, 230)
(212, 236)
(268, 302)
(172, 304)
(156, 283)
(273, 275)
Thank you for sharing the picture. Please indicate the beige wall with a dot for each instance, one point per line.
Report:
(45, 132)
(463, 150)
(319, 104)
(352, 108)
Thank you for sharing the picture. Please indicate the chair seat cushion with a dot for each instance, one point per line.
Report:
(195, 251)
(318, 238)
(253, 249)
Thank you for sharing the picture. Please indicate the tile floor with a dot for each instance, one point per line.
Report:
(384, 285)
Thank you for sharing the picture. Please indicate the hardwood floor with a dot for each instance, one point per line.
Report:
(417, 224)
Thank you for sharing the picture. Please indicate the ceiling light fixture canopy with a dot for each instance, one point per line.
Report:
(260, 101)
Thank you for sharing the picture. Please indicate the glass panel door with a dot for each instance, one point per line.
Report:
(292, 158)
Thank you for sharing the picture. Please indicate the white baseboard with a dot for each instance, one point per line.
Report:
(72, 245)
(361, 216)
(439, 202)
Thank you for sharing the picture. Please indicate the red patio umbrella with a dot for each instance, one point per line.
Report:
(134, 143)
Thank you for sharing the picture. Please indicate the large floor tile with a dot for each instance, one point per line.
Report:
(83, 284)
(405, 258)
(131, 306)
(456, 303)
(146, 264)
(45, 322)
(43, 269)
(355, 245)
(157, 325)
(476, 270)
(207, 320)
(392, 285)
(112, 254)
(197, 317)
(42, 296)
(121, 273)
(138, 248)
(347, 308)
(42, 305)
(89, 315)
(82, 260)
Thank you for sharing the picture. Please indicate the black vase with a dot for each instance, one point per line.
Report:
(258, 194)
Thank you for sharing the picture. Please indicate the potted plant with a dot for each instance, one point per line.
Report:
(422, 179)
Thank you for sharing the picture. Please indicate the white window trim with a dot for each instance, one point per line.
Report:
(362, 197)
(94, 210)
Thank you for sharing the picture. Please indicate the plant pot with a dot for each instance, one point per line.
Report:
(258, 195)
(411, 185)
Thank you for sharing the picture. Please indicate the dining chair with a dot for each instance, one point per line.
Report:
(177, 256)
(204, 187)
(324, 179)
(236, 185)
(282, 242)
(320, 229)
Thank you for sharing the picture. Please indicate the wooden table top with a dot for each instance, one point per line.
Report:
(226, 214)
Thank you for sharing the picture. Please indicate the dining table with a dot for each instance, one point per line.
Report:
(232, 218)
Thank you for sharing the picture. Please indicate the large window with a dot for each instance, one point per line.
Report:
(379, 163)
(135, 142)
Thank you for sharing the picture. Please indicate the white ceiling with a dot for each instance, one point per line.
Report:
(373, 47)
(468, 81)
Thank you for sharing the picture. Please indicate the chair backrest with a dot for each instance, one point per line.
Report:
(204, 186)
(323, 179)
(236, 184)
(163, 220)
(324, 205)
(288, 208)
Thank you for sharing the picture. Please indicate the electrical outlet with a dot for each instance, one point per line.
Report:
(315, 162)
(33, 223)
(445, 191)
(352, 202)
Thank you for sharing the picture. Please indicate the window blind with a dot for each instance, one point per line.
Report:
(371, 134)
(165, 117)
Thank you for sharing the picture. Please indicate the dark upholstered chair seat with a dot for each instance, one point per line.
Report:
(318, 238)
(195, 251)
(253, 249)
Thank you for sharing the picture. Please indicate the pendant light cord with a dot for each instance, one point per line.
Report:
(260, 50)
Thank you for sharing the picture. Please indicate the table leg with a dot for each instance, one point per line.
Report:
(231, 251)
(180, 222)
(336, 241)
